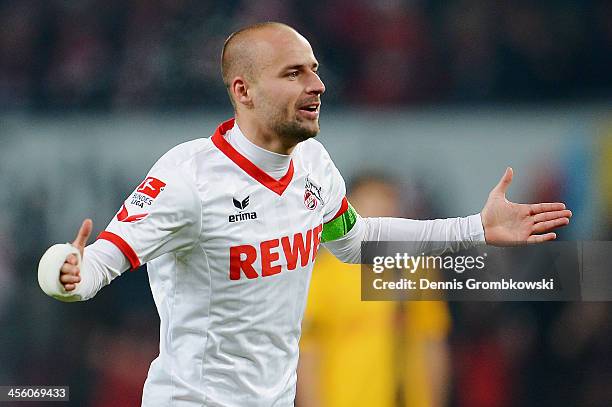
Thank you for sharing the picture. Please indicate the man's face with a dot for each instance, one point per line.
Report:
(287, 89)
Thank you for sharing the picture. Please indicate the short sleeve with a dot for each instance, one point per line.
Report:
(162, 215)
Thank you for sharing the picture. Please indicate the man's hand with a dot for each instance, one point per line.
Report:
(507, 224)
(70, 273)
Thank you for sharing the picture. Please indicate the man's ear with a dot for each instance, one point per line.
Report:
(241, 91)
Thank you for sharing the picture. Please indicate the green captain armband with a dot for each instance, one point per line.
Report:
(340, 226)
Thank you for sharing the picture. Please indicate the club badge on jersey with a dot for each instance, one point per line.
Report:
(142, 198)
(312, 195)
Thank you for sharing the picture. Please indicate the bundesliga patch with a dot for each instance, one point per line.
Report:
(144, 195)
(124, 216)
(151, 187)
(312, 195)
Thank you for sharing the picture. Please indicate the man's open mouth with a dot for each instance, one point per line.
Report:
(314, 107)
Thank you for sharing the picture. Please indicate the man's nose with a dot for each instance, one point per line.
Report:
(315, 84)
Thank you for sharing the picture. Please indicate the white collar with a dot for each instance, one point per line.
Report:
(276, 165)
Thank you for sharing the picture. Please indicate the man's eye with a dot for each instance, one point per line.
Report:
(293, 74)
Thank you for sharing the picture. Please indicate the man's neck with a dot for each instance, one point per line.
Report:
(274, 164)
(264, 138)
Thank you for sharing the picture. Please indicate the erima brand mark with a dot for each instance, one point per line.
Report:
(312, 195)
(301, 248)
(241, 206)
(242, 216)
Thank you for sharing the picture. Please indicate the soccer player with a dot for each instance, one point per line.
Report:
(229, 227)
(406, 363)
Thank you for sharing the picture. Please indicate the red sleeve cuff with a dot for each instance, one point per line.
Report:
(343, 208)
(125, 248)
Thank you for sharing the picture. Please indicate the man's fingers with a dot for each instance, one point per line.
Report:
(544, 216)
(549, 225)
(69, 276)
(69, 279)
(70, 269)
(504, 182)
(72, 259)
(69, 287)
(83, 235)
(541, 238)
(534, 209)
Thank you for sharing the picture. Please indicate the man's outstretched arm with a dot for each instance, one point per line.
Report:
(501, 223)
(170, 223)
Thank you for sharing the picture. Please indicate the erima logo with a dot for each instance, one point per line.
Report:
(241, 205)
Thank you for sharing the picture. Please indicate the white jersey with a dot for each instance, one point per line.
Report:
(229, 251)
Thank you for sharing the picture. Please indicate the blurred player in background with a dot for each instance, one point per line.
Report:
(229, 227)
(370, 353)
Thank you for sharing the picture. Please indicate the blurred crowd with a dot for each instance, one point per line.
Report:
(164, 54)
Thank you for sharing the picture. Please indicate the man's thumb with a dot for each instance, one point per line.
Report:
(504, 182)
(83, 235)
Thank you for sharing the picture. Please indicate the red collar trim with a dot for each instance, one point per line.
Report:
(247, 166)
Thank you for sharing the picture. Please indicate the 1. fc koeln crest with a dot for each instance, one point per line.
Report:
(312, 195)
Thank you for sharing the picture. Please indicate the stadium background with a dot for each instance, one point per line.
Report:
(441, 94)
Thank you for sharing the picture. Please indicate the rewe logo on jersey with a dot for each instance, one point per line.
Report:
(301, 248)
(241, 206)
(312, 195)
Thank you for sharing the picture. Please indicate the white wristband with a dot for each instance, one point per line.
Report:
(49, 271)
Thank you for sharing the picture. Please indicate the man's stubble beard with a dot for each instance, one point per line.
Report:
(293, 130)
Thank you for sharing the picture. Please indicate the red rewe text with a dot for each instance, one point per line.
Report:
(300, 248)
